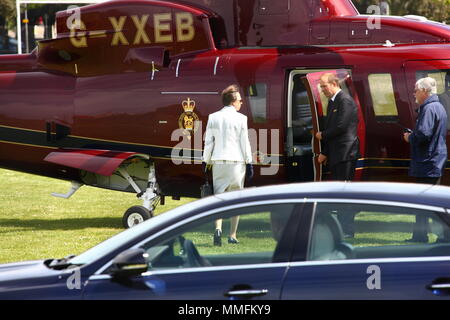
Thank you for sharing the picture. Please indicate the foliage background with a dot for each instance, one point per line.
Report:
(35, 11)
(36, 225)
(437, 10)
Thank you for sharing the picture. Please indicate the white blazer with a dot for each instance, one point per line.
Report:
(226, 137)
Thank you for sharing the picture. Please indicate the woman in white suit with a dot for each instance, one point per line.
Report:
(227, 149)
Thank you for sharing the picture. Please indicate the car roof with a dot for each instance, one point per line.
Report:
(418, 194)
(422, 194)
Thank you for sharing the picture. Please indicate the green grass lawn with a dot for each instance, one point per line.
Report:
(253, 233)
(36, 225)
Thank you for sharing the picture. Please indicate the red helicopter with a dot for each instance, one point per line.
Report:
(120, 98)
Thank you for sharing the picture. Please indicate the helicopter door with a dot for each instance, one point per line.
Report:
(319, 104)
(299, 154)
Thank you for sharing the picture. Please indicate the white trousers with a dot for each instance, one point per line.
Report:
(228, 176)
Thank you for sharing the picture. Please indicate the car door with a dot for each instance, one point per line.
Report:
(319, 104)
(362, 250)
(183, 263)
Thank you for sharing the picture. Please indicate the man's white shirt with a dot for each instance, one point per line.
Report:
(335, 95)
(226, 137)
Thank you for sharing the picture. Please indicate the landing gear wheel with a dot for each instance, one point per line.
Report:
(136, 215)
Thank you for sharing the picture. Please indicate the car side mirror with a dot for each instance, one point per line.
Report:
(131, 262)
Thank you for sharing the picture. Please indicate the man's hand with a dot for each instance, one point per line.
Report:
(249, 171)
(205, 167)
(322, 159)
(406, 136)
(319, 135)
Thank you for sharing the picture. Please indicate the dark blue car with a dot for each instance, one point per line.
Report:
(10, 47)
(326, 240)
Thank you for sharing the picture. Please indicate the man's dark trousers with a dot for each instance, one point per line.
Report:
(343, 171)
(342, 146)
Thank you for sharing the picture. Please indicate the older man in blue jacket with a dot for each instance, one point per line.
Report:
(428, 144)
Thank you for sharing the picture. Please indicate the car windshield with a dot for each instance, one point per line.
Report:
(137, 231)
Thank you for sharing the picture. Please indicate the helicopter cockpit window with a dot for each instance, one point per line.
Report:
(257, 97)
(442, 78)
(383, 98)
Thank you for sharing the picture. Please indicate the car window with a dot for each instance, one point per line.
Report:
(259, 232)
(112, 244)
(366, 231)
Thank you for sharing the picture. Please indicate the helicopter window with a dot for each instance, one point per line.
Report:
(218, 31)
(383, 99)
(442, 78)
(257, 97)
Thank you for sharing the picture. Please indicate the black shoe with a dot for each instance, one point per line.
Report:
(232, 240)
(217, 238)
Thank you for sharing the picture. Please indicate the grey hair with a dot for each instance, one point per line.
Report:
(427, 84)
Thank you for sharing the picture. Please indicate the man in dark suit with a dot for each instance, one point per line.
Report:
(340, 144)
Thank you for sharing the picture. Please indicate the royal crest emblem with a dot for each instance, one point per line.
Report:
(188, 120)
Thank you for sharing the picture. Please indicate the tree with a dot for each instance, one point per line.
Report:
(7, 9)
(7, 13)
(436, 10)
(34, 12)
(48, 13)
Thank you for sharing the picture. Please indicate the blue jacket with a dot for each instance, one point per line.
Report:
(428, 140)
